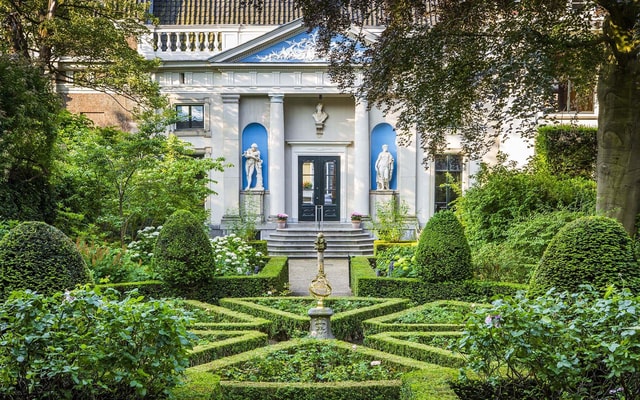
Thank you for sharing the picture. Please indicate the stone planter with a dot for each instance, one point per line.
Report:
(355, 224)
(281, 224)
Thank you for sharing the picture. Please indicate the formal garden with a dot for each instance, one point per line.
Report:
(520, 292)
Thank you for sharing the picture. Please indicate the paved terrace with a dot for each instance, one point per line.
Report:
(303, 270)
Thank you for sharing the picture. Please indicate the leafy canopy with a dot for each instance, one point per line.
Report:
(99, 35)
(464, 67)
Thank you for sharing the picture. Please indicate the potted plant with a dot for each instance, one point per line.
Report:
(307, 185)
(282, 220)
(356, 219)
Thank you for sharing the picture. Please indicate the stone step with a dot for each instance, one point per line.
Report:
(298, 241)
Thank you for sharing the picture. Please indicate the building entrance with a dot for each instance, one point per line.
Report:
(318, 188)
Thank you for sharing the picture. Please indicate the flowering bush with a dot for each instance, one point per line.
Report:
(282, 217)
(142, 248)
(234, 256)
(355, 216)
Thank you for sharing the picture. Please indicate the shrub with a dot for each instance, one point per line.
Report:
(515, 259)
(234, 256)
(397, 262)
(589, 250)
(567, 346)
(567, 150)
(86, 345)
(505, 195)
(443, 254)
(37, 256)
(183, 256)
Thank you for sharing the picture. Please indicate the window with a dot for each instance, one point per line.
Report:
(448, 171)
(190, 116)
(567, 99)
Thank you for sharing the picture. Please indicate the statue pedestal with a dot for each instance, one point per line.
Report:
(321, 323)
(252, 204)
(380, 196)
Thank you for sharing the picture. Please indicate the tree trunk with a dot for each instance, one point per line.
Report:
(618, 167)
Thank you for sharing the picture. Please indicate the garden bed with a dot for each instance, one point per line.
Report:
(290, 314)
(308, 368)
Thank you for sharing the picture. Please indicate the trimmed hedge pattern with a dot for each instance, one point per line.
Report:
(397, 343)
(239, 342)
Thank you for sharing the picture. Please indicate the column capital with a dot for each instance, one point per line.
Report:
(276, 97)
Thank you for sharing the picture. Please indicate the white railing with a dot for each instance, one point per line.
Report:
(172, 40)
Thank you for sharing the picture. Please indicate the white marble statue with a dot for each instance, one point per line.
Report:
(253, 164)
(384, 168)
(320, 116)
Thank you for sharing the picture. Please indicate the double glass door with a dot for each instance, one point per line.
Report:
(318, 188)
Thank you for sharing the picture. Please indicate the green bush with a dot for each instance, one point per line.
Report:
(86, 345)
(571, 346)
(37, 256)
(183, 255)
(504, 195)
(514, 259)
(589, 250)
(567, 150)
(443, 254)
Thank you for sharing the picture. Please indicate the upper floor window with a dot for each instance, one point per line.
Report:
(568, 99)
(190, 116)
(448, 172)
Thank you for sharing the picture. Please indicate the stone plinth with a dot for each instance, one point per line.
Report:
(321, 323)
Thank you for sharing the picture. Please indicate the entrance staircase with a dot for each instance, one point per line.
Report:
(297, 240)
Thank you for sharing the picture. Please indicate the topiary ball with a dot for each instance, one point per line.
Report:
(183, 255)
(590, 250)
(39, 257)
(443, 253)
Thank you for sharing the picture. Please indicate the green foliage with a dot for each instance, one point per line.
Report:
(571, 346)
(123, 182)
(443, 254)
(388, 224)
(39, 257)
(504, 195)
(212, 345)
(234, 256)
(589, 250)
(86, 345)
(183, 256)
(567, 150)
(514, 259)
(28, 121)
(397, 261)
(91, 31)
(308, 348)
(113, 264)
(290, 314)
(317, 362)
(364, 283)
(431, 347)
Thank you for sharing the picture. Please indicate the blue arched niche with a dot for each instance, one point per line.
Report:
(255, 133)
(383, 134)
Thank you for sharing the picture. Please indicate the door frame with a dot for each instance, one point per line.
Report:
(329, 212)
(320, 149)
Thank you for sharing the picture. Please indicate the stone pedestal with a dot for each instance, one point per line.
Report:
(381, 197)
(321, 323)
(253, 204)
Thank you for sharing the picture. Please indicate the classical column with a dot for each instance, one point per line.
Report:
(231, 150)
(277, 188)
(361, 179)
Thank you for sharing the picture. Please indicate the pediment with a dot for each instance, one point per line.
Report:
(291, 43)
